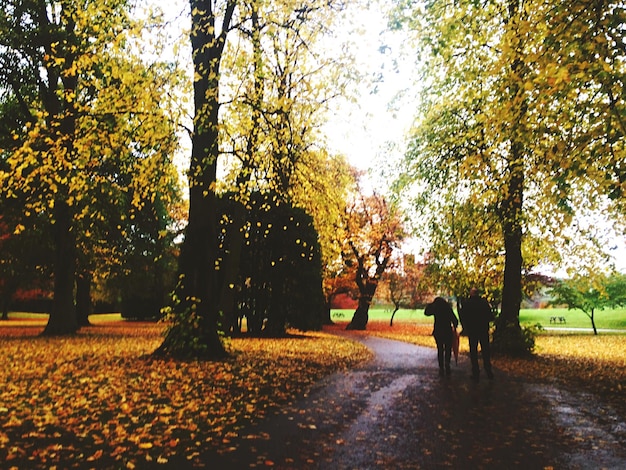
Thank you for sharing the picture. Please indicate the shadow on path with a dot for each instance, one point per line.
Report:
(396, 412)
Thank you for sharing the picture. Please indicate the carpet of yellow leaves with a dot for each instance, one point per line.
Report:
(98, 399)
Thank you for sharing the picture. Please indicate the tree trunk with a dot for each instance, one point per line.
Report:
(508, 331)
(62, 318)
(393, 314)
(236, 240)
(361, 315)
(195, 331)
(60, 104)
(593, 322)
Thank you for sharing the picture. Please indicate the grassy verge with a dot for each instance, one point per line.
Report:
(605, 319)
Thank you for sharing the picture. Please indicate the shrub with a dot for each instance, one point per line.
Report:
(514, 340)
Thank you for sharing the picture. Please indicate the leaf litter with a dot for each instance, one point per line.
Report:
(99, 400)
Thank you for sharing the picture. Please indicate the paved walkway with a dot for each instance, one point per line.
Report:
(395, 412)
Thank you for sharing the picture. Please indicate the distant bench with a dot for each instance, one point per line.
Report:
(559, 320)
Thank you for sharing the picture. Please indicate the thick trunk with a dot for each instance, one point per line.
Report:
(507, 325)
(361, 315)
(62, 318)
(60, 105)
(512, 287)
(195, 332)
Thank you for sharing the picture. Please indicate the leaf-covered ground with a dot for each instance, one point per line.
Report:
(575, 361)
(98, 400)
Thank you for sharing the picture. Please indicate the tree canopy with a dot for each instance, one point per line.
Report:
(96, 127)
(591, 292)
(521, 130)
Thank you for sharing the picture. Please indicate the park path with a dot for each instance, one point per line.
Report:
(396, 412)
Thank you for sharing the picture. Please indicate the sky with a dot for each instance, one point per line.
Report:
(365, 130)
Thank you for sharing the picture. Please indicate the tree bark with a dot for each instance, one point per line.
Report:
(393, 314)
(511, 210)
(199, 289)
(62, 318)
(361, 315)
(59, 102)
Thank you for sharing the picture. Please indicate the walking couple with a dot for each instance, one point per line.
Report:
(475, 314)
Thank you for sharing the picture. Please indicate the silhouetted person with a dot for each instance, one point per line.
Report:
(475, 314)
(445, 323)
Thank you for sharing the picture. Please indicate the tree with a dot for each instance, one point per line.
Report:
(257, 119)
(406, 286)
(194, 328)
(279, 282)
(522, 105)
(98, 114)
(276, 103)
(590, 293)
(373, 231)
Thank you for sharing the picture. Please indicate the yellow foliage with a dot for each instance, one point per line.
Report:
(102, 389)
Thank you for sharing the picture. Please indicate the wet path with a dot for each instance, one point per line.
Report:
(396, 412)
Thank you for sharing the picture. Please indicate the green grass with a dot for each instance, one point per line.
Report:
(605, 319)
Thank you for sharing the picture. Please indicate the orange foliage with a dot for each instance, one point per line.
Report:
(98, 396)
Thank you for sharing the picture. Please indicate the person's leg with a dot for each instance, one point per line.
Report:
(485, 350)
(440, 356)
(473, 347)
(447, 355)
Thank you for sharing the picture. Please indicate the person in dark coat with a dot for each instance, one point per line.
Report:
(445, 324)
(476, 314)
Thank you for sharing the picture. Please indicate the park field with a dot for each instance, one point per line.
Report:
(605, 319)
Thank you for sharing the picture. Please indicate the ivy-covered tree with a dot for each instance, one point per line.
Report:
(254, 102)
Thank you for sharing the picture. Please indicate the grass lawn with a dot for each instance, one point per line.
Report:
(605, 319)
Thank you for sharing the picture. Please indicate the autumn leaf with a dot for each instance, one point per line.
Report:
(103, 398)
